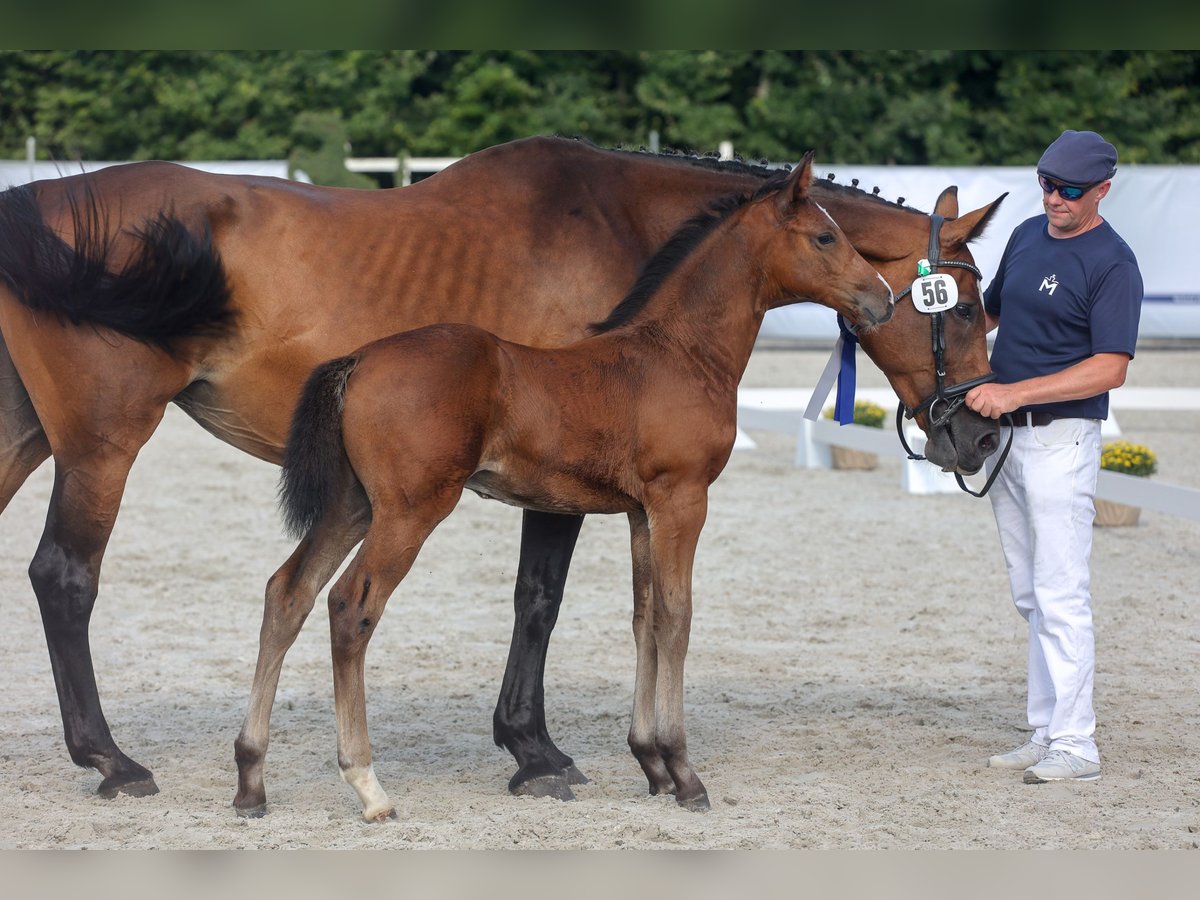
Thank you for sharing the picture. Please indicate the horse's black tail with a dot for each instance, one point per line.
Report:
(173, 286)
(315, 465)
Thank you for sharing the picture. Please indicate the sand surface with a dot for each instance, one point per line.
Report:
(854, 660)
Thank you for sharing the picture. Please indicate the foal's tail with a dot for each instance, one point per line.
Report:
(315, 465)
(173, 286)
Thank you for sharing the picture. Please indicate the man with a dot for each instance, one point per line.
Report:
(1069, 293)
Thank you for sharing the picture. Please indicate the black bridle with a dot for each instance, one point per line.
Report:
(946, 399)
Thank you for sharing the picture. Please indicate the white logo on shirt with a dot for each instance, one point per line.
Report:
(1049, 284)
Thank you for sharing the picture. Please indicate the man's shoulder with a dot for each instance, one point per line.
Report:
(1031, 229)
(1120, 247)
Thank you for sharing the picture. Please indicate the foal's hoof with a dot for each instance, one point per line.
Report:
(138, 787)
(574, 776)
(556, 786)
(695, 804)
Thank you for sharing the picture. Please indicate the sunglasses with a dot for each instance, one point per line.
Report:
(1066, 191)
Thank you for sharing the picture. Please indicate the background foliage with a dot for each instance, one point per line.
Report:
(954, 107)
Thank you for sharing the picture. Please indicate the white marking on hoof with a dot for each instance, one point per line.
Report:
(376, 805)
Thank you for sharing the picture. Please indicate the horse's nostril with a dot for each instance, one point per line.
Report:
(988, 443)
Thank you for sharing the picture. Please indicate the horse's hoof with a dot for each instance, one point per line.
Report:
(251, 812)
(386, 815)
(662, 787)
(139, 787)
(574, 776)
(695, 804)
(555, 786)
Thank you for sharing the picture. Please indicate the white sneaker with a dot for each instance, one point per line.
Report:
(1028, 754)
(1061, 765)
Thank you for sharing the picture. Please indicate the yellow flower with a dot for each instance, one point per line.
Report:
(1128, 458)
(865, 413)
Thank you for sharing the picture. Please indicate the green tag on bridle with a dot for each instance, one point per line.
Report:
(923, 267)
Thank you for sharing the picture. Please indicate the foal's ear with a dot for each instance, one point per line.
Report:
(798, 183)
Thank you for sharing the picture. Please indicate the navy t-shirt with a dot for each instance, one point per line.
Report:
(1059, 301)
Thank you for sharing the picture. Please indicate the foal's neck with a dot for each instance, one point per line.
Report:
(706, 314)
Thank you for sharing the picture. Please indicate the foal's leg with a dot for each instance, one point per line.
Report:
(675, 524)
(519, 723)
(641, 728)
(291, 593)
(356, 602)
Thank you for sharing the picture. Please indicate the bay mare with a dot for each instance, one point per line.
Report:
(639, 419)
(146, 284)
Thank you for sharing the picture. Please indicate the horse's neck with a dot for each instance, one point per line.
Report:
(651, 195)
(706, 315)
(680, 197)
(660, 192)
(879, 231)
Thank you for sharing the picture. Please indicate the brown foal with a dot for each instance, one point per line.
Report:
(638, 418)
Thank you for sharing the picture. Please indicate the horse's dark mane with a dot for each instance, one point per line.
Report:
(677, 248)
(761, 169)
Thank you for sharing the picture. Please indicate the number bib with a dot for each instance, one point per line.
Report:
(934, 293)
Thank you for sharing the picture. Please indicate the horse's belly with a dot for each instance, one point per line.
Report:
(553, 494)
(238, 427)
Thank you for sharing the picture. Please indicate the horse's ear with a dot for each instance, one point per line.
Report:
(798, 183)
(967, 228)
(947, 203)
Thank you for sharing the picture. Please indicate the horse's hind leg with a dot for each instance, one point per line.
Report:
(519, 723)
(641, 728)
(23, 443)
(65, 574)
(356, 602)
(290, 595)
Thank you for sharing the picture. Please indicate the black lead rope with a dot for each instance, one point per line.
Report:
(1005, 419)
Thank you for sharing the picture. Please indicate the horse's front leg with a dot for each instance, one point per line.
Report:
(641, 727)
(676, 518)
(290, 595)
(519, 723)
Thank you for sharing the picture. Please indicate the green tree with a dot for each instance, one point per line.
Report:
(947, 107)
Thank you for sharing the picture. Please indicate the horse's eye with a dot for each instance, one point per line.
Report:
(825, 238)
(965, 311)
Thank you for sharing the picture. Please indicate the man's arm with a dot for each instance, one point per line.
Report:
(1094, 375)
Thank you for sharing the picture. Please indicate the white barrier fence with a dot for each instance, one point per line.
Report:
(782, 410)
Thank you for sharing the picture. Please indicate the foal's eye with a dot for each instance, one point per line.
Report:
(825, 238)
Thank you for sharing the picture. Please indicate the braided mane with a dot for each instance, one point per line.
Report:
(738, 166)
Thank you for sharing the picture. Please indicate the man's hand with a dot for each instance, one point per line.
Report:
(993, 400)
(1092, 376)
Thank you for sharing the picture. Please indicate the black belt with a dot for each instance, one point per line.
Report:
(1037, 419)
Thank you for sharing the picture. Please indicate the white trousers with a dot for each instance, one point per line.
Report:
(1044, 506)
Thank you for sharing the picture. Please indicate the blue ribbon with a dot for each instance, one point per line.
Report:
(843, 406)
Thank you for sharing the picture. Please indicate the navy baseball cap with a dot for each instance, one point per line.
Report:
(1079, 158)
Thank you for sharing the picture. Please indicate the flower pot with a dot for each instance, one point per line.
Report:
(845, 458)
(1115, 514)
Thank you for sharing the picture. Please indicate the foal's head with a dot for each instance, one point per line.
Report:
(805, 255)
